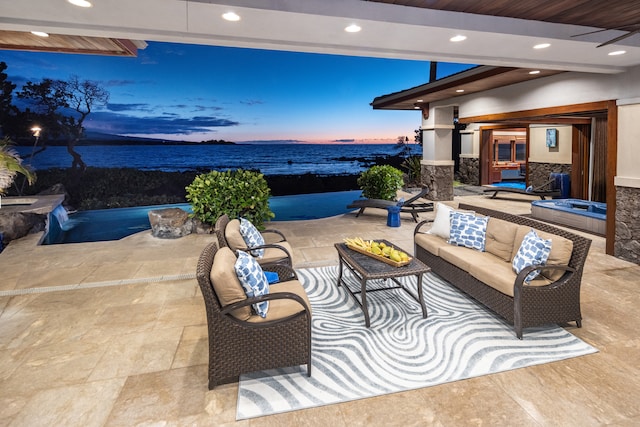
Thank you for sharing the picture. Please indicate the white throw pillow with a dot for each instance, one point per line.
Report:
(442, 223)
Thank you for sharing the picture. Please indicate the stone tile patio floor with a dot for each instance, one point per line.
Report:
(114, 334)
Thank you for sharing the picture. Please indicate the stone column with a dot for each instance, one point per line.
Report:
(437, 163)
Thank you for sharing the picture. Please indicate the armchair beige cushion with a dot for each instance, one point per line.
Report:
(281, 308)
(226, 284)
(233, 236)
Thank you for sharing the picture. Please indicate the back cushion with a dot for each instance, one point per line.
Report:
(226, 284)
(499, 238)
(561, 249)
(521, 231)
(233, 236)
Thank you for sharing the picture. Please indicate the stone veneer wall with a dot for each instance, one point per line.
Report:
(469, 171)
(439, 179)
(539, 172)
(627, 238)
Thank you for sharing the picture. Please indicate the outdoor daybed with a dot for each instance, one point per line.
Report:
(488, 276)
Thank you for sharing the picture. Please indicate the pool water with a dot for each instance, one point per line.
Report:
(114, 224)
(511, 184)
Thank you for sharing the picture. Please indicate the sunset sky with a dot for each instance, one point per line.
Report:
(194, 93)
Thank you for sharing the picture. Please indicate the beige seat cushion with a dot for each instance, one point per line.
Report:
(275, 254)
(500, 276)
(281, 308)
(235, 241)
(226, 284)
(561, 250)
(499, 238)
(233, 236)
(463, 257)
(272, 238)
(430, 242)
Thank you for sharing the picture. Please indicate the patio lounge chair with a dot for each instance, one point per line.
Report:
(545, 190)
(240, 341)
(412, 206)
(276, 248)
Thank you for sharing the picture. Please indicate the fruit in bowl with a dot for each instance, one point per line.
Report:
(378, 248)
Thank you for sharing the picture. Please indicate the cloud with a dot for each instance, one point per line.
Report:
(118, 124)
(206, 108)
(128, 107)
(252, 102)
(344, 140)
(119, 83)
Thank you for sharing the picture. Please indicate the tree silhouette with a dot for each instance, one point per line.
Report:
(62, 107)
(6, 88)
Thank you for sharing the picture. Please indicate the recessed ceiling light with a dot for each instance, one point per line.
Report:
(40, 33)
(617, 52)
(542, 46)
(459, 90)
(353, 28)
(458, 38)
(420, 100)
(81, 3)
(231, 16)
(534, 72)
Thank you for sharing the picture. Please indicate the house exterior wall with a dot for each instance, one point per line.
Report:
(577, 88)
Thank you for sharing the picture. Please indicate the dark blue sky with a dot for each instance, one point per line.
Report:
(193, 92)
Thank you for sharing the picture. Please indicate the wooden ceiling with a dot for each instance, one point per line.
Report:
(610, 14)
(17, 40)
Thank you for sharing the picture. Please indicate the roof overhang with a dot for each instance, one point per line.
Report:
(477, 79)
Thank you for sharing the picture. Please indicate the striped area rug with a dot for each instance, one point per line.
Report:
(401, 351)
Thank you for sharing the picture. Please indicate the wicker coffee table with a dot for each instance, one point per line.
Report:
(366, 268)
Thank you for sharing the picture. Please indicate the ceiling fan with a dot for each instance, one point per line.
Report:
(630, 32)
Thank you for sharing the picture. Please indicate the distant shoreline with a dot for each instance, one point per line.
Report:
(105, 188)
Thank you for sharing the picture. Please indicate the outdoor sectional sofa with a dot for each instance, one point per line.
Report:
(488, 276)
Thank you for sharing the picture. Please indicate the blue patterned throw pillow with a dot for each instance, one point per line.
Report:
(252, 237)
(534, 250)
(253, 280)
(468, 230)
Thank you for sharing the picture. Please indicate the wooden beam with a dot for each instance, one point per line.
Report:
(539, 113)
(612, 168)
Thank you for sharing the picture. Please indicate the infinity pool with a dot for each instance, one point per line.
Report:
(114, 224)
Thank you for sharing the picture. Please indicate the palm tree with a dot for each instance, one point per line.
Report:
(11, 165)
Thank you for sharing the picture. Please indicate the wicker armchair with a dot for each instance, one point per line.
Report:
(276, 248)
(241, 346)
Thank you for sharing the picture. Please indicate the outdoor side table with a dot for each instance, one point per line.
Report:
(366, 268)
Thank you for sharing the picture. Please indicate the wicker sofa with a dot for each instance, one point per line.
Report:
(488, 276)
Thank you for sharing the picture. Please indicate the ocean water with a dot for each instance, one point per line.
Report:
(270, 159)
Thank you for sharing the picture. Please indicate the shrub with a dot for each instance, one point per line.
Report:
(235, 193)
(380, 182)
